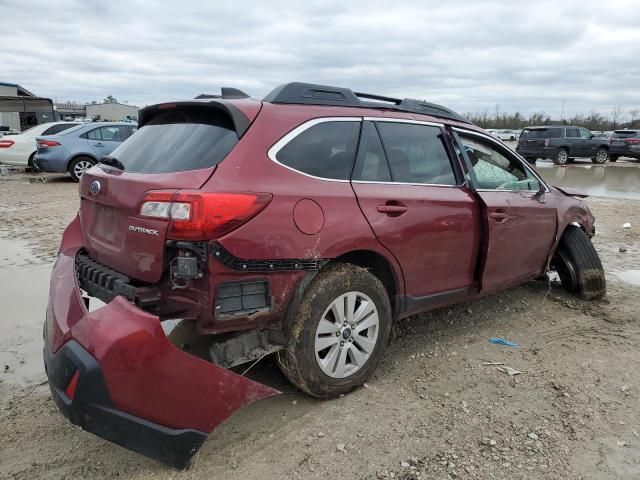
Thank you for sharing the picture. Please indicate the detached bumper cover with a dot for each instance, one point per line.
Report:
(92, 410)
(135, 388)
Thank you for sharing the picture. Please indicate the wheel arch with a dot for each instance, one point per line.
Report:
(78, 155)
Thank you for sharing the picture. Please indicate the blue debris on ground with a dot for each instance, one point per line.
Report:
(502, 341)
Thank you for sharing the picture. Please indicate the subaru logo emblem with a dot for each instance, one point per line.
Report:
(94, 188)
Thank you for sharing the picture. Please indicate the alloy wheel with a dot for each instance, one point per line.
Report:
(346, 335)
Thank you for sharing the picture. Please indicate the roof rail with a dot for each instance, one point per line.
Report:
(311, 94)
(225, 93)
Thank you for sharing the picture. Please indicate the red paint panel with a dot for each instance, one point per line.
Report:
(435, 235)
(521, 232)
(145, 374)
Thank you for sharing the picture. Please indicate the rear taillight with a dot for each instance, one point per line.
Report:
(47, 143)
(546, 142)
(195, 215)
(6, 143)
(632, 141)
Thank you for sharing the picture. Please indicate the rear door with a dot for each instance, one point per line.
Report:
(176, 149)
(407, 189)
(590, 145)
(578, 147)
(519, 225)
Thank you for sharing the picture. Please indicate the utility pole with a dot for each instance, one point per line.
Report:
(562, 111)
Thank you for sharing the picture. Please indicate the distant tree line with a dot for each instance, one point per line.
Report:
(593, 121)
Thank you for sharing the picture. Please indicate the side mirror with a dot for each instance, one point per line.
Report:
(593, 136)
(540, 193)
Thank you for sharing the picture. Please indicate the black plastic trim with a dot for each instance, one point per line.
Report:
(411, 305)
(311, 94)
(246, 265)
(92, 410)
(240, 121)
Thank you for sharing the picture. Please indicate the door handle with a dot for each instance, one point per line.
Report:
(499, 216)
(392, 210)
(98, 144)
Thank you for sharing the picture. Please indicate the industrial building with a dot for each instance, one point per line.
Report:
(20, 109)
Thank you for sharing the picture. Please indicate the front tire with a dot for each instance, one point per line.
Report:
(562, 157)
(614, 158)
(78, 166)
(339, 334)
(601, 156)
(579, 266)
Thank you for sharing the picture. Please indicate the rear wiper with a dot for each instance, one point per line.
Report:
(112, 162)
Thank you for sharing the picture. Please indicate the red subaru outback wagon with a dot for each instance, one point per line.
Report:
(302, 224)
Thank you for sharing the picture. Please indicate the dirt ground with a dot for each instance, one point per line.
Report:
(435, 408)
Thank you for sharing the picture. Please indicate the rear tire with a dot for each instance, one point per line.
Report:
(614, 158)
(601, 156)
(320, 358)
(562, 157)
(78, 166)
(30, 165)
(579, 266)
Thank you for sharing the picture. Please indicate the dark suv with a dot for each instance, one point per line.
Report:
(624, 143)
(561, 144)
(301, 225)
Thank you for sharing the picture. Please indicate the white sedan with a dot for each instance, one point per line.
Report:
(20, 149)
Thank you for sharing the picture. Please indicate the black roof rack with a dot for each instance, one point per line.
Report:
(225, 93)
(310, 94)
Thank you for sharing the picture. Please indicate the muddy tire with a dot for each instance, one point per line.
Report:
(339, 334)
(578, 265)
(562, 157)
(602, 155)
(78, 165)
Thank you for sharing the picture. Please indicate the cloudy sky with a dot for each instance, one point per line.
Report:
(520, 55)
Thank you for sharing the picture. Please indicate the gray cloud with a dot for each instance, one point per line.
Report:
(522, 55)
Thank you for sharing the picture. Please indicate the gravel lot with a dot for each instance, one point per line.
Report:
(434, 409)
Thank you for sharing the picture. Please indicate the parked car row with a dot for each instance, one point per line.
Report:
(506, 135)
(64, 147)
(562, 144)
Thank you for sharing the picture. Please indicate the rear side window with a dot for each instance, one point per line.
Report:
(372, 163)
(57, 128)
(177, 141)
(92, 134)
(325, 150)
(541, 133)
(416, 153)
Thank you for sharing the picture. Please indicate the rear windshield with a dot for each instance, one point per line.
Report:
(178, 141)
(624, 134)
(541, 133)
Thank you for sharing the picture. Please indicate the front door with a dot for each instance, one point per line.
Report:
(407, 190)
(520, 221)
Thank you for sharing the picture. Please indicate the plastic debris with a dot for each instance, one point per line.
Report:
(502, 341)
(492, 363)
(626, 225)
(509, 371)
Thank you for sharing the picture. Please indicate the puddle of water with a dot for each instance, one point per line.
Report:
(629, 276)
(24, 287)
(615, 181)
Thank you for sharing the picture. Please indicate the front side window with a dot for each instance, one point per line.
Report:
(495, 170)
(584, 133)
(416, 153)
(573, 133)
(325, 150)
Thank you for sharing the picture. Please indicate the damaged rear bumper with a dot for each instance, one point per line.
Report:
(134, 387)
